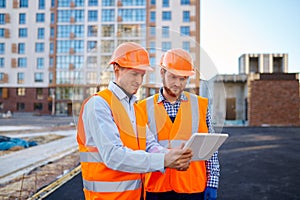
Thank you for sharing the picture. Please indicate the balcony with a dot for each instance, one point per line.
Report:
(6, 33)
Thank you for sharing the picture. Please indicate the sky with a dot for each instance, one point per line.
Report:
(230, 28)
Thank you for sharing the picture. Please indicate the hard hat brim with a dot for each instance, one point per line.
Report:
(179, 72)
(140, 67)
(145, 68)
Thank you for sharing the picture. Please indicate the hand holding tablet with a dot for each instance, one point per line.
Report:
(204, 145)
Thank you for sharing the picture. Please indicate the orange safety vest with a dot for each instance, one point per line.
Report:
(191, 118)
(101, 182)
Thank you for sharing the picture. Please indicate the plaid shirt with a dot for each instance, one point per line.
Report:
(212, 165)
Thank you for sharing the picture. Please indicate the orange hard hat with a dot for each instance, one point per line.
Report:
(178, 62)
(131, 55)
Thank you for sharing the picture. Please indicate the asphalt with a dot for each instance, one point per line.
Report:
(256, 163)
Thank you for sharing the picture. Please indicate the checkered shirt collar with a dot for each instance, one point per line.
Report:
(161, 97)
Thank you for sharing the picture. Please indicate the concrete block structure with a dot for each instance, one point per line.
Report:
(262, 94)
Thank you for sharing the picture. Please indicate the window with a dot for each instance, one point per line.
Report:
(77, 45)
(22, 18)
(166, 3)
(39, 47)
(3, 4)
(23, 3)
(91, 77)
(41, 33)
(133, 2)
(51, 77)
(107, 31)
(152, 47)
(2, 18)
(51, 48)
(79, 15)
(52, 32)
(21, 76)
(93, 3)
(108, 2)
(2, 48)
(152, 16)
(92, 31)
(91, 62)
(78, 30)
(132, 15)
(63, 16)
(37, 106)
(51, 61)
(2, 32)
(79, 3)
(38, 77)
(152, 31)
(185, 30)
(166, 46)
(186, 46)
(107, 46)
(1, 76)
(40, 63)
(108, 15)
(165, 31)
(22, 32)
(93, 15)
(91, 45)
(41, 4)
(39, 93)
(40, 17)
(166, 15)
(186, 16)
(152, 2)
(185, 2)
(63, 31)
(21, 48)
(22, 62)
(52, 18)
(20, 106)
(2, 62)
(63, 46)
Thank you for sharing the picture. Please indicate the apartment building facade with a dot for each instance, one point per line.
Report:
(53, 54)
(24, 55)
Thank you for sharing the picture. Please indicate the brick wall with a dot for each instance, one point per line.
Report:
(274, 102)
(30, 97)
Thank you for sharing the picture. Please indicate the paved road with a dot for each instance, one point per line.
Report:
(256, 163)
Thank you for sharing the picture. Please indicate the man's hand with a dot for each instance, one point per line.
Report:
(178, 158)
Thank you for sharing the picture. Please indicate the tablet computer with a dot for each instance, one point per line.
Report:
(204, 145)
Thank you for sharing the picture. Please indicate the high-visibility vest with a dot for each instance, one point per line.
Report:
(191, 118)
(101, 182)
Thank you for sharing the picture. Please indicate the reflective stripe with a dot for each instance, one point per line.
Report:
(151, 117)
(90, 157)
(195, 113)
(104, 186)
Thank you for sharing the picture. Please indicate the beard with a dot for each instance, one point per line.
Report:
(167, 89)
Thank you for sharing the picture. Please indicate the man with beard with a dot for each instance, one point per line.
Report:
(112, 134)
(174, 115)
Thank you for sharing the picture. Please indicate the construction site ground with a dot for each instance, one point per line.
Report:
(23, 172)
(256, 163)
